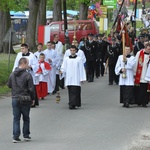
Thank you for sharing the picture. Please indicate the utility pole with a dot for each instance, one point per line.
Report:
(143, 6)
(135, 8)
(65, 25)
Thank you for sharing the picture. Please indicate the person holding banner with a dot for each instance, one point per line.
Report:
(125, 65)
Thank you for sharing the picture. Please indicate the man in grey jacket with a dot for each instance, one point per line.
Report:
(21, 83)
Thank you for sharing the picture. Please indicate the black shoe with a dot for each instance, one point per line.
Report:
(62, 87)
(110, 84)
(116, 83)
(144, 105)
(28, 138)
(16, 140)
(71, 107)
(127, 105)
(54, 92)
(33, 106)
(42, 98)
(124, 105)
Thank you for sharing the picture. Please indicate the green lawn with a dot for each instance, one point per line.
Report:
(5, 71)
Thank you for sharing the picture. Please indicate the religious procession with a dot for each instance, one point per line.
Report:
(120, 55)
(125, 61)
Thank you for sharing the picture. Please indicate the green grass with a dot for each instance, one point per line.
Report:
(4, 89)
(5, 71)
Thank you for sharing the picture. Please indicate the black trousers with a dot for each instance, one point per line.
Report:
(36, 97)
(97, 68)
(141, 94)
(102, 68)
(90, 68)
(61, 83)
(74, 93)
(57, 83)
(127, 94)
(112, 75)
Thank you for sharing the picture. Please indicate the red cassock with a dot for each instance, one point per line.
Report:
(41, 88)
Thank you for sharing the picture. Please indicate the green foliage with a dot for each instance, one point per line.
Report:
(13, 5)
(4, 72)
(71, 4)
(49, 5)
(4, 89)
(87, 2)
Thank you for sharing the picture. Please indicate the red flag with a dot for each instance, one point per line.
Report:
(118, 28)
(128, 41)
(121, 26)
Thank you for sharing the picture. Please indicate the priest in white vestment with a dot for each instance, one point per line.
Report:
(125, 66)
(73, 70)
(51, 58)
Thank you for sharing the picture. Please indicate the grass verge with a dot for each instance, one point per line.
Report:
(5, 70)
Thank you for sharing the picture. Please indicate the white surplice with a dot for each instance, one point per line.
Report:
(129, 66)
(33, 62)
(42, 77)
(73, 71)
(59, 49)
(79, 53)
(37, 54)
(147, 77)
(51, 54)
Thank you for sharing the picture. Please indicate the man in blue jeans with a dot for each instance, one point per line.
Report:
(21, 83)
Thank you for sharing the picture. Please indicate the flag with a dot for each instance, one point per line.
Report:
(122, 26)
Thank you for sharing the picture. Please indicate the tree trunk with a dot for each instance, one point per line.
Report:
(57, 15)
(31, 29)
(41, 17)
(5, 23)
(83, 11)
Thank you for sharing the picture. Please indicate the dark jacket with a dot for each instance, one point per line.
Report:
(138, 46)
(21, 83)
(91, 50)
(112, 54)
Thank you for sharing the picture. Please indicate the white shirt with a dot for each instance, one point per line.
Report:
(129, 66)
(73, 71)
(80, 53)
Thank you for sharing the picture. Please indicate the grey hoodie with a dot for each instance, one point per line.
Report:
(21, 83)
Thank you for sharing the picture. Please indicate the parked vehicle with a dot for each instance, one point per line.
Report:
(81, 28)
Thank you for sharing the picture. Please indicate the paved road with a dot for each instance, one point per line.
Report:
(100, 124)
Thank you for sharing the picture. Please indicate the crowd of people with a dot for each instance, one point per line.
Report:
(51, 69)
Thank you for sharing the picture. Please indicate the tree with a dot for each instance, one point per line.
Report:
(41, 17)
(5, 20)
(5, 24)
(57, 15)
(84, 9)
(31, 29)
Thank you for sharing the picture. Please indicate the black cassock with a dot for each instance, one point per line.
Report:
(127, 94)
(141, 94)
(74, 95)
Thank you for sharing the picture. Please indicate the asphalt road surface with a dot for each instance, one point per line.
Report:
(100, 124)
